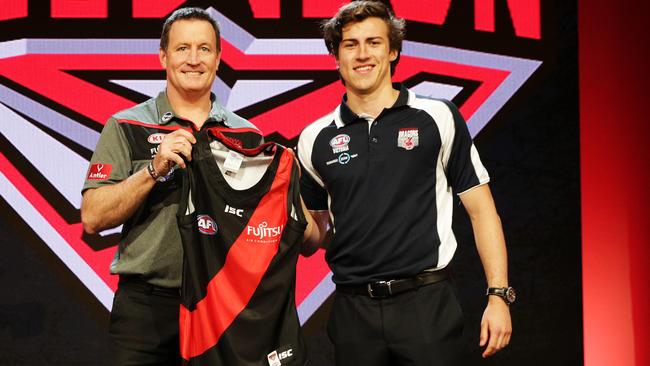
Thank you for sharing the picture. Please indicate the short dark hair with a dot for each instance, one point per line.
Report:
(358, 11)
(188, 14)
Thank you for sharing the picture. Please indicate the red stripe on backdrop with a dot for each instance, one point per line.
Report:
(233, 286)
(265, 8)
(99, 261)
(154, 8)
(426, 11)
(70, 91)
(79, 8)
(615, 181)
(12, 9)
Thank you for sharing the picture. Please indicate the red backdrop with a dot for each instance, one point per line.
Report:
(614, 155)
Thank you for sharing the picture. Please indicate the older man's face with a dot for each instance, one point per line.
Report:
(191, 58)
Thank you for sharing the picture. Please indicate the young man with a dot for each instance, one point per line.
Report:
(131, 181)
(382, 169)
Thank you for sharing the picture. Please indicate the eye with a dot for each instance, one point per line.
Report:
(205, 49)
(182, 48)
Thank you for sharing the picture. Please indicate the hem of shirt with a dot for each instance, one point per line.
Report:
(472, 188)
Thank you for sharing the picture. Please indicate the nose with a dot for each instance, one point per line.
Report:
(193, 57)
(362, 52)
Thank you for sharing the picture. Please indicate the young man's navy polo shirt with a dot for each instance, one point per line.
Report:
(388, 184)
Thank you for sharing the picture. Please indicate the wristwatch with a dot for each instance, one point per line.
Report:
(157, 177)
(506, 293)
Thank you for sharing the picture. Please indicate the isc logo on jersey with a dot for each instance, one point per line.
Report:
(275, 358)
(206, 225)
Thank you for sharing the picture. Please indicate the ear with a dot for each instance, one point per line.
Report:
(392, 56)
(218, 59)
(162, 56)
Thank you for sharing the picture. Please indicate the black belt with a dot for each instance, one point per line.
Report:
(383, 289)
(140, 284)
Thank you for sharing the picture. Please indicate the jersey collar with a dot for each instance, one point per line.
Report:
(166, 113)
(344, 116)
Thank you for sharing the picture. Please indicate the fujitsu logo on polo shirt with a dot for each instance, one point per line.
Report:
(265, 234)
(340, 143)
(206, 225)
(99, 171)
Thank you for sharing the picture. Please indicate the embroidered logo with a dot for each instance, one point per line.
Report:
(340, 143)
(99, 171)
(342, 159)
(233, 211)
(263, 234)
(407, 138)
(167, 116)
(206, 225)
(156, 138)
(275, 358)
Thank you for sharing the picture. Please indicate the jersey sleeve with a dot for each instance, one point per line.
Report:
(462, 163)
(312, 188)
(111, 161)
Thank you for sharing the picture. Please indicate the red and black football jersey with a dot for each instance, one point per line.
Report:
(240, 252)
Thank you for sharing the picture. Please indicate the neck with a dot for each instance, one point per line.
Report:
(194, 107)
(372, 103)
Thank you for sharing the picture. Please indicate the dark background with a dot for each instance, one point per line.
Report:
(531, 149)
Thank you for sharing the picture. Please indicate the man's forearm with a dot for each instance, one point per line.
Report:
(109, 206)
(491, 248)
(488, 234)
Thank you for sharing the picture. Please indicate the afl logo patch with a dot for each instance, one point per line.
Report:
(206, 225)
(156, 138)
(340, 143)
(167, 116)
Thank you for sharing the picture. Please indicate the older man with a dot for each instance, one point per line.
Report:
(132, 181)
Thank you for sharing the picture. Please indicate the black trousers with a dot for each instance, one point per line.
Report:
(423, 327)
(144, 325)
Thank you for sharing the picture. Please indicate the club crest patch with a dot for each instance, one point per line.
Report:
(407, 138)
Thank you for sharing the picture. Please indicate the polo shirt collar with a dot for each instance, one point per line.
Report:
(166, 114)
(344, 116)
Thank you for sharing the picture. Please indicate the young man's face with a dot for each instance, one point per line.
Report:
(191, 59)
(365, 55)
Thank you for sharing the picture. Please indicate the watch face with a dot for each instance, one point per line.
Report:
(511, 296)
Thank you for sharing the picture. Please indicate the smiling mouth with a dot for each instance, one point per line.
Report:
(364, 68)
(193, 73)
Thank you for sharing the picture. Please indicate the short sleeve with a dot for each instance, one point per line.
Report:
(111, 161)
(311, 187)
(462, 163)
(314, 195)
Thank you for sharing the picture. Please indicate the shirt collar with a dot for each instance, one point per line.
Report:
(166, 113)
(344, 115)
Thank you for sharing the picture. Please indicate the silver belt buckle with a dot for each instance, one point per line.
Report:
(387, 283)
